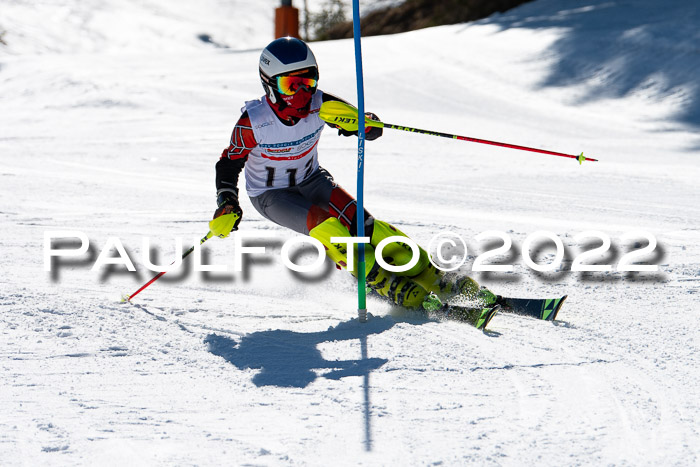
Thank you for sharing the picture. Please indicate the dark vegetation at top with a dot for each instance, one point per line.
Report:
(650, 48)
(409, 16)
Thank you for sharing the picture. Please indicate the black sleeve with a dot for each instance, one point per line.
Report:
(227, 173)
(326, 97)
(234, 157)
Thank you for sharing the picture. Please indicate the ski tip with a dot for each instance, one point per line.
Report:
(558, 307)
(486, 317)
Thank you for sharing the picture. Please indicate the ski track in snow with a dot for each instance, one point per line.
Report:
(265, 368)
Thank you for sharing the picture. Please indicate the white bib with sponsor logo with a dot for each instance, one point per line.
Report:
(285, 155)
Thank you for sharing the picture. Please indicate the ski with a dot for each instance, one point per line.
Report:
(541, 308)
(477, 316)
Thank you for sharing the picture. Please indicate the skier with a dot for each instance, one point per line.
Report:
(276, 141)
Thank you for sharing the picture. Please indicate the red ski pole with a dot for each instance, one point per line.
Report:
(345, 116)
(127, 298)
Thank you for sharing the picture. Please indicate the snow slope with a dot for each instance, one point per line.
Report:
(113, 115)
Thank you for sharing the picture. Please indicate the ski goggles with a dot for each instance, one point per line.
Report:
(290, 85)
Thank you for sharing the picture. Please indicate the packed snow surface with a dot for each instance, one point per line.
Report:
(113, 114)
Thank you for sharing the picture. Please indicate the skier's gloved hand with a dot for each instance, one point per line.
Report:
(227, 216)
(342, 132)
(373, 132)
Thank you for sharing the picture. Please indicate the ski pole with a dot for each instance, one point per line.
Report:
(345, 116)
(127, 298)
(218, 227)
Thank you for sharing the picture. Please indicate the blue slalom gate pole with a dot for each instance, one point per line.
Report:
(361, 273)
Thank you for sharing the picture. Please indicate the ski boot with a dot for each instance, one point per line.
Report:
(450, 287)
(410, 289)
(400, 290)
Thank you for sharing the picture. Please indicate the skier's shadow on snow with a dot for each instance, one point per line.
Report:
(289, 359)
(292, 359)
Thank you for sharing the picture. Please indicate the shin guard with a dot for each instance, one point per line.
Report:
(400, 290)
(398, 253)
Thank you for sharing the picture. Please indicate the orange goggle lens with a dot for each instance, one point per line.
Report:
(289, 85)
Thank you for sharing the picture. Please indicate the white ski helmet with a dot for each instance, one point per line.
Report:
(282, 57)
